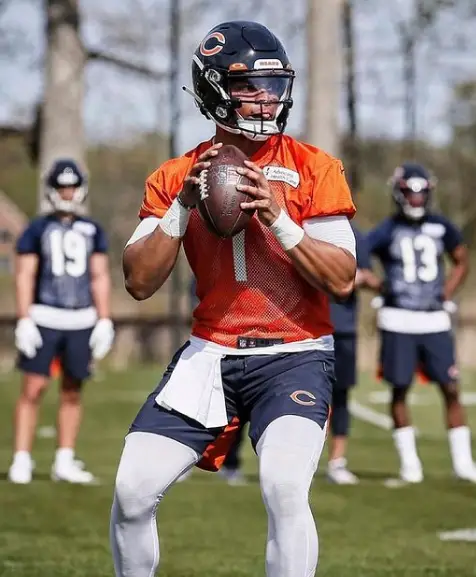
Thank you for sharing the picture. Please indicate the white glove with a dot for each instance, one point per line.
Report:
(377, 302)
(450, 307)
(101, 338)
(27, 337)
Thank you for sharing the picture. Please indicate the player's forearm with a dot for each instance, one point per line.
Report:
(455, 280)
(148, 262)
(24, 289)
(101, 293)
(325, 266)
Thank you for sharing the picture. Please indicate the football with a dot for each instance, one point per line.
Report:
(219, 201)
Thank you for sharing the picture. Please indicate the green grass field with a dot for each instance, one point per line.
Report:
(209, 529)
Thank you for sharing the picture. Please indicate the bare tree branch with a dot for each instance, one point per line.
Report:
(126, 65)
(14, 130)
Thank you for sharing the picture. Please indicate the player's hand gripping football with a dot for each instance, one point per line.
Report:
(189, 195)
(265, 203)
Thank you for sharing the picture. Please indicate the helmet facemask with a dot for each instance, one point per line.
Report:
(67, 179)
(413, 196)
(60, 204)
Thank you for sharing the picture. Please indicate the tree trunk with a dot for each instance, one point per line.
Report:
(324, 52)
(62, 131)
(354, 164)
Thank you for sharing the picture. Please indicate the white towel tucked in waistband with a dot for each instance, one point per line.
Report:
(195, 388)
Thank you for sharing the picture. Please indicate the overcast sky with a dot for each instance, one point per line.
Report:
(119, 104)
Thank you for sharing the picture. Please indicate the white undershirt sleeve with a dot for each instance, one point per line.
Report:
(335, 230)
(144, 228)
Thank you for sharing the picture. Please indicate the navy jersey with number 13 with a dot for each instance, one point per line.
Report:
(64, 249)
(412, 256)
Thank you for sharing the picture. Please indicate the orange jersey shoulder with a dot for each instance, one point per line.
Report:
(323, 189)
(163, 185)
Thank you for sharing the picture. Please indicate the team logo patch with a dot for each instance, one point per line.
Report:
(87, 228)
(282, 174)
(215, 42)
(434, 229)
(303, 398)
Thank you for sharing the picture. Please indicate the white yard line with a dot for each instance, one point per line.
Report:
(368, 415)
(458, 535)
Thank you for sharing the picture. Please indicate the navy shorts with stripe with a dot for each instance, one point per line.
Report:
(258, 389)
(346, 360)
(70, 347)
(401, 355)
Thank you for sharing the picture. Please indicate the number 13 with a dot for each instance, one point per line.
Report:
(428, 271)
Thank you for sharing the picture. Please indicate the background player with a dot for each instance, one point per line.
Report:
(414, 323)
(344, 318)
(62, 300)
(260, 350)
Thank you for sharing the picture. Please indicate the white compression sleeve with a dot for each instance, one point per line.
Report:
(144, 228)
(289, 452)
(149, 465)
(332, 229)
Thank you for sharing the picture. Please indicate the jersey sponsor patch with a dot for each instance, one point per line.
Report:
(282, 174)
(87, 228)
(434, 229)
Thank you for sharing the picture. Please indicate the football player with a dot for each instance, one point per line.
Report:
(414, 321)
(261, 348)
(344, 319)
(62, 301)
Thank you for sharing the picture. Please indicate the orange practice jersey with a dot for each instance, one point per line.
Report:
(247, 285)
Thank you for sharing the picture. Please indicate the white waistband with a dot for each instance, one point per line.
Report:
(324, 343)
(63, 319)
(413, 322)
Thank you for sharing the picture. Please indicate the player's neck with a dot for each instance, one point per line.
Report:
(249, 147)
(65, 217)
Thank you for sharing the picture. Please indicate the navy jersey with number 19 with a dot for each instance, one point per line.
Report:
(64, 249)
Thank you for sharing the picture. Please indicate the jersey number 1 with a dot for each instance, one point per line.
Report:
(68, 253)
(239, 260)
(428, 269)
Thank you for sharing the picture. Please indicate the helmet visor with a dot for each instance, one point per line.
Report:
(260, 88)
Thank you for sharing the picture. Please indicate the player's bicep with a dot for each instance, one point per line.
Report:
(144, 229)
(460, 255)
(26, 265)
(334, 230)
(99, 265)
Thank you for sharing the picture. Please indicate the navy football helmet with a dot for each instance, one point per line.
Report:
(65, 173)
(237, 63)
(412, 185)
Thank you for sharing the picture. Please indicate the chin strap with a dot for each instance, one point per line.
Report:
(256, 136)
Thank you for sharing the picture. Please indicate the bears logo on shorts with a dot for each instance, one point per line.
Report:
(297, 397)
